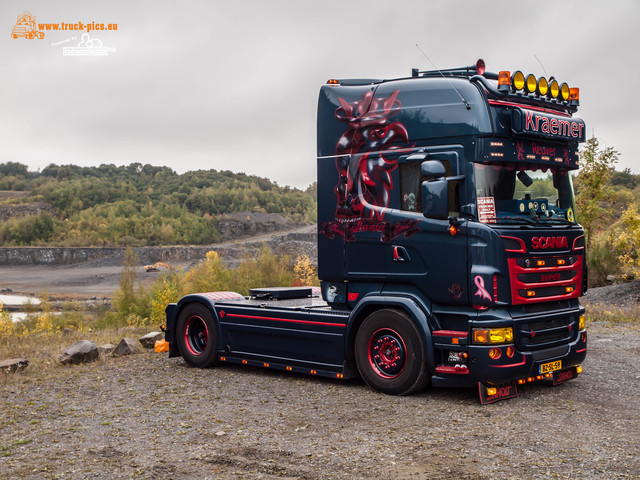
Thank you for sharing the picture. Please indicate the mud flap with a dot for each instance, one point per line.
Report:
(503, 391)
(564, 375)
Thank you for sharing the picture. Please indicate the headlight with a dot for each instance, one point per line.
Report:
(492, 335)
(581, 322)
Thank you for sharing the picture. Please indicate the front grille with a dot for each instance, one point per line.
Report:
(545, 279)
(538, 334)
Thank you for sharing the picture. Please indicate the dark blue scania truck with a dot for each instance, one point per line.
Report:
(448, 248)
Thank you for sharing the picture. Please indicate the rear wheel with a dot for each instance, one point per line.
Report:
(196, 335)
(390, 353)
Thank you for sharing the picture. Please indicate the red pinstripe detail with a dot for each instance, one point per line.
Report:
(450, 333)
(502, 103)
(289, 320)
(580, 351)
(524, 360)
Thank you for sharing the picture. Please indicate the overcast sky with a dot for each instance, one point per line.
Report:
(234, 85)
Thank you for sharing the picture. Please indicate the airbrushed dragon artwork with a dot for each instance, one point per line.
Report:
(364, 167)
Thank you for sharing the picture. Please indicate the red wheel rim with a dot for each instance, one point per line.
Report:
(196, 335)
(387, 353)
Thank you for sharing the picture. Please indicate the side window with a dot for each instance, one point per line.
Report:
(411, 188)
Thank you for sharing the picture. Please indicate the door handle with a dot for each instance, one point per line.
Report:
(400, 254)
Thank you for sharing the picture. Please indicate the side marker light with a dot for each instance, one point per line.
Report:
(491, 391)
(578, 369)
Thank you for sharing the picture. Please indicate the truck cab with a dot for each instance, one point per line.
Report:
(454, 187)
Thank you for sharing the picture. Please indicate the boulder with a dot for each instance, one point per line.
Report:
(149, 340)
(13, 365)
(80, 352)
(106, 349)
(127, 346)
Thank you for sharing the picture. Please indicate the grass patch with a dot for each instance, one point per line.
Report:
(43, 349)
(597, 312)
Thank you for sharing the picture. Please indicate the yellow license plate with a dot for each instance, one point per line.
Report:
(551, 367)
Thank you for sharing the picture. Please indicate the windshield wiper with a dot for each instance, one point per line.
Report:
(561, 220)
(514, 219)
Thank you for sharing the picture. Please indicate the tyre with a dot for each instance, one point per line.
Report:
(196, 335)
(390, 354)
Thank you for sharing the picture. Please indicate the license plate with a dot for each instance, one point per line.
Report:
(550, 367)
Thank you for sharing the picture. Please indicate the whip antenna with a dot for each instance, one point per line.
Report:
(451, 84)
(545, 72)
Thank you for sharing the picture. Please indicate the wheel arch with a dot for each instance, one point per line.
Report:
(173, 312)
(416, 310)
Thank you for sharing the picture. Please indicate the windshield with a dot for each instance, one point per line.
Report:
(516, 194)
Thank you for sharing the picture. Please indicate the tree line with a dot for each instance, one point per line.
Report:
(139, 204)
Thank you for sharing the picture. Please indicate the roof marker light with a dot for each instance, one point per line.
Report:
(480, 67)
(532, 84)
(554, 89)
(518, 80)
(504, 81)
(574, 96)
(543, 86)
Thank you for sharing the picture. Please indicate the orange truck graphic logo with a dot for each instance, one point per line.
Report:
(26, 27)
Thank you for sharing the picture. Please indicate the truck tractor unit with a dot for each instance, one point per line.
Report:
(448, 249)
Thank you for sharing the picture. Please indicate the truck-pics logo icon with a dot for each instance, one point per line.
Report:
(26, 27)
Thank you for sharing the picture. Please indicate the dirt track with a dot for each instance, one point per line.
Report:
(101, 278)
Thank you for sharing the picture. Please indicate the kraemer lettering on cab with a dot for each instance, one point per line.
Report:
(529, 121)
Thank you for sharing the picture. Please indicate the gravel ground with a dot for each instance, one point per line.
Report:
(148, 416)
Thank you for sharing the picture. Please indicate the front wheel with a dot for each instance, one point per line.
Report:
(390, 353)
(196, 336)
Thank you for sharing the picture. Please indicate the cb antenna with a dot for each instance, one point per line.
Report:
(451, 84)
(543, 69)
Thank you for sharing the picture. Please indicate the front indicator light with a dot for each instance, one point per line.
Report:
(495, 353)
